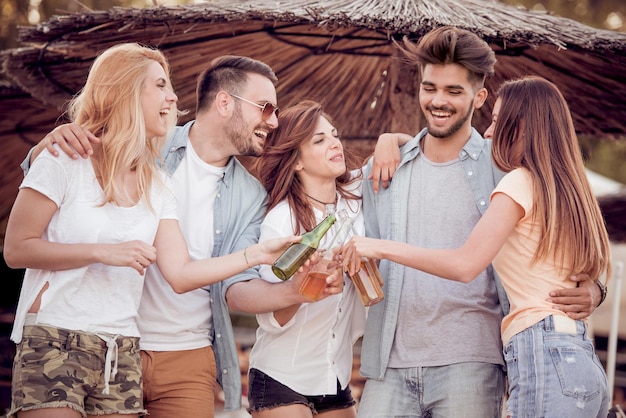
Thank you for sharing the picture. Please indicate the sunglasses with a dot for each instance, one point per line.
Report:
(267, 108)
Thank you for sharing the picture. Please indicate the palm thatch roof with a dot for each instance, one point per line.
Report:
(340, 52)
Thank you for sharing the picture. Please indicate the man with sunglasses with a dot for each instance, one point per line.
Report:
(187, 339)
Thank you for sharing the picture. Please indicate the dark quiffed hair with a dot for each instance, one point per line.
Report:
(228, 73)
(450, 45)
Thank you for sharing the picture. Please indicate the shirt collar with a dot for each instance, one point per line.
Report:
(472, 148)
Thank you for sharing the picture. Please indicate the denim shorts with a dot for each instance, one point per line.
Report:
(267, 393)
(59, 368)
(554, 372)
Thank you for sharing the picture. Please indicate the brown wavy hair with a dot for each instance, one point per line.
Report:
(534, 111)
(276, 166)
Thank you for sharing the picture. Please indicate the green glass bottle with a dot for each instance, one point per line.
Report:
(294, 257)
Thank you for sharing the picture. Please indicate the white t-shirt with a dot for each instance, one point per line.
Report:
(314, 349)
(170, 321)
(97, 297)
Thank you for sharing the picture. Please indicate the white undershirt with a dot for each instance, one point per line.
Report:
(171, 321)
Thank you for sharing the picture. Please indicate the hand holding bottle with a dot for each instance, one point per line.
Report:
(315, 283)
(313, 286)
(297, 253)
(332, 284)
(267, 252)
(362, 269)
(356, 248)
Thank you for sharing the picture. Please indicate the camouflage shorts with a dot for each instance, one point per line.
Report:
(54, 368)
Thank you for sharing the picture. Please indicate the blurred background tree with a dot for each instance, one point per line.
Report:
(603, 156)
(602, 14)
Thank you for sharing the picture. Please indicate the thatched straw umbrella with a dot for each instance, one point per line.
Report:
(340, 52)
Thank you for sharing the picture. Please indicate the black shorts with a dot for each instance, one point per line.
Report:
(267, 393)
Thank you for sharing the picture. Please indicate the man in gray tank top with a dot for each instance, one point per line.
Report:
(432, 347)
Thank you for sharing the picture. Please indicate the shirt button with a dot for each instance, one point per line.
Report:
(474, 155)
(219, 195)
(333, 335)
(469, 173)
(218, 335)
(482, 203)
(217, 231)
(224, 371)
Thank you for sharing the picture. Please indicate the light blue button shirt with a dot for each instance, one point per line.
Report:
(239, 209)
(385, 218)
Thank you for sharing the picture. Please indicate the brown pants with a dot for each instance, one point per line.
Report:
(179, 383)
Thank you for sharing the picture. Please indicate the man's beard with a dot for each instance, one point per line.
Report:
(453, 129)
(238, 134)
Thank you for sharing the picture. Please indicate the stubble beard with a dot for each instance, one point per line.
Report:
(239, 135)
(442, 134)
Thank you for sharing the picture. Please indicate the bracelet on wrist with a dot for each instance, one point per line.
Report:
(245, 257)
(603, 292)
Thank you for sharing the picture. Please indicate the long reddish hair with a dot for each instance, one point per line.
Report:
(276, 166)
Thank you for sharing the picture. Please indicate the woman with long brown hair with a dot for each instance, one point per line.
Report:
(301, 362)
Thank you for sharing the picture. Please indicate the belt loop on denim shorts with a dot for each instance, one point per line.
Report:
(561, 323)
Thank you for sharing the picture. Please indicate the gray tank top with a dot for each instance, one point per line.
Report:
(440, 321)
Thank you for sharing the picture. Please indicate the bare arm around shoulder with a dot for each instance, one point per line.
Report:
(184, 274)
(25, 248)
(73, 140)
(460, 264)
(386, 158)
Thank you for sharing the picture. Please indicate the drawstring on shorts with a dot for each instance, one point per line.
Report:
(112, 350)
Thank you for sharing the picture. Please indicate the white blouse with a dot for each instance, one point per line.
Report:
(314, 349)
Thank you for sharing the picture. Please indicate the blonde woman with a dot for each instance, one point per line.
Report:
(86, 229)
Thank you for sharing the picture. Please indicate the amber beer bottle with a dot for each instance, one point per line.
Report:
(368, 282)
(297, 253)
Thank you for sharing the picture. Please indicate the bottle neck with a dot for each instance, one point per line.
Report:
(314, 236)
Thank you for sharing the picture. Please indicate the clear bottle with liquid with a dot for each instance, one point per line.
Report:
(297, 253)
(314, 283)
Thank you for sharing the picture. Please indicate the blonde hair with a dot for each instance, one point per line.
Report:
(109, 105)
(534, 112)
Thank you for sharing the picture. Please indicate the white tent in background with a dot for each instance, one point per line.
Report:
(606, 321)
(604, 186)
